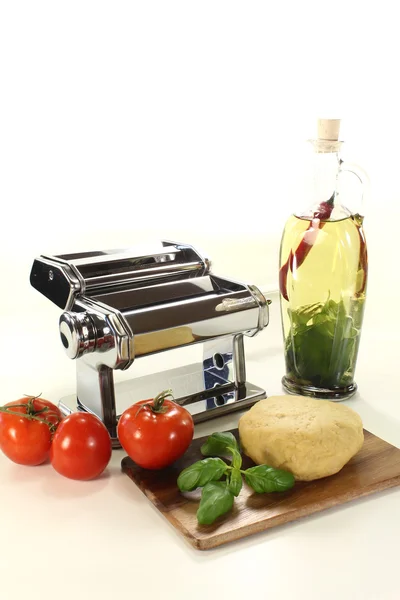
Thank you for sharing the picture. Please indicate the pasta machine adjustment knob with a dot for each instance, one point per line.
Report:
(83, 333)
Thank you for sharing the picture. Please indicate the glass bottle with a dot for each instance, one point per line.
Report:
(323, 279)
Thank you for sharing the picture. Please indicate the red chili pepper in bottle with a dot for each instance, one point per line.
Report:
(363, 259)
(296, 260)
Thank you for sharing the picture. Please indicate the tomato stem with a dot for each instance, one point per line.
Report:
(157, 406)
(42, 410)
(29, 416)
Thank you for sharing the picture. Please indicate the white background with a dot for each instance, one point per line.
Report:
(123, 121)
(126, 121)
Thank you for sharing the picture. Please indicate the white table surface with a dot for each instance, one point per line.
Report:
(103, 539)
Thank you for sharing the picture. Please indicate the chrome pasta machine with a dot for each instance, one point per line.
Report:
(124, 305)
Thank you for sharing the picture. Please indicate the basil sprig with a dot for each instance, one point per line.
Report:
(218, 496)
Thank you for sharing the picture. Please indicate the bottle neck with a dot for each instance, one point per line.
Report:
(325, 172)
(325, 168)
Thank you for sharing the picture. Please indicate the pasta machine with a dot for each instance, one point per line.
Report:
(120, 306)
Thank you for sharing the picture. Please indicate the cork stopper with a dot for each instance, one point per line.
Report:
(328, 129)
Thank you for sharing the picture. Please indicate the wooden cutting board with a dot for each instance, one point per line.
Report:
(376, 467)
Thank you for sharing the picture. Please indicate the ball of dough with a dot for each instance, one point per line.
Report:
(310, 438)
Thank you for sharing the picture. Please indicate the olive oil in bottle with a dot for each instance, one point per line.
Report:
(323, 278)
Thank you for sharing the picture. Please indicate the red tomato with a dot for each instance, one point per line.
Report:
(26, 440)
(81, 447)
(155, 434)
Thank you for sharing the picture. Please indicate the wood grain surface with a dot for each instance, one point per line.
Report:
(376, 467)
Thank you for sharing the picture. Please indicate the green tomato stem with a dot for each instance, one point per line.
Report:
(42, 410)
(158, 402)
(28, 416)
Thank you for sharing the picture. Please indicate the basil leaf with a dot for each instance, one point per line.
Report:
(216, 500)
(236, 459)
(264, 479)
(323, 343)
(219, 444)
(200, 473)
(235, 482)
